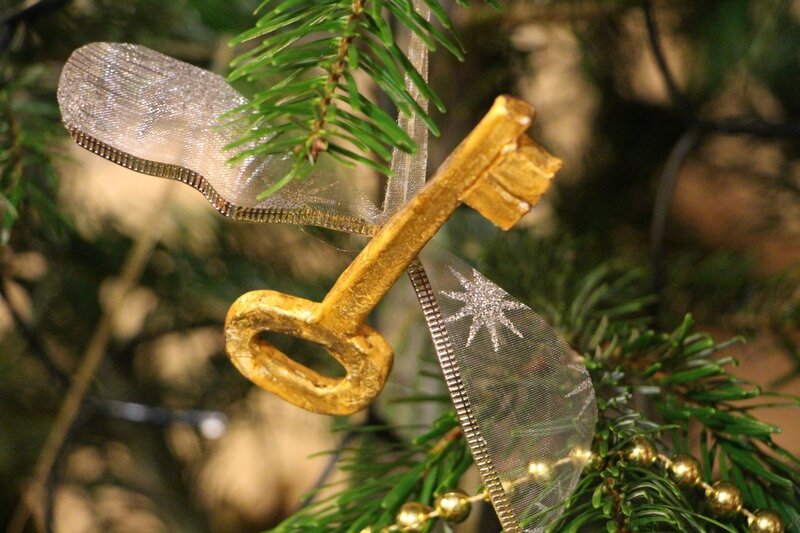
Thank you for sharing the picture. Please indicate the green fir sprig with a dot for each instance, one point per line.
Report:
(671, 386)
(310, 56)
(28, 128)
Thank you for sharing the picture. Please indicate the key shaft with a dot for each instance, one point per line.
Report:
(497, 170)
(373, 272)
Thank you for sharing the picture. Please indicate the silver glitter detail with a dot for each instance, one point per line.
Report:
(583, 386)
(298, 194)
(155, 112)
(486, 303)
(512, 398)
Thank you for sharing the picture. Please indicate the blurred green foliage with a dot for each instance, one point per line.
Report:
(589, 274)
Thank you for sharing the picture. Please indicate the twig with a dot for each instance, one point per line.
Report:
(330, 466)
(35, 344)
(677, 97)
(129, 411)
(373, 419)
(316, 141)
(727, 126)
(50, 484)
(132, 270)
(750, 126)
(524, 12)
(666, 189)
(696, 127)
(9, 25)
(161, 416)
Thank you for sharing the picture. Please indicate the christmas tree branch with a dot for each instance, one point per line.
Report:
(308, 58)
(602, 310)
(27, 133)
(132, 270)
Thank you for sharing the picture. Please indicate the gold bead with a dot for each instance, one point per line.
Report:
(580, 455)
(765, 521)
(508, 486)
(724, 498)
(590, 460)
(641, 451)
(412, 517)
(454, 506)
(539, 470)
(685, 470)
(595, 464)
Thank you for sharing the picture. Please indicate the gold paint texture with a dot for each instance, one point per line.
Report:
(497, 170)
(364, 353)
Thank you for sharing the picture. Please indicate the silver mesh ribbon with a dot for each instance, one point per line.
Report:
(409, 171)
(523, 397)
(163, 117)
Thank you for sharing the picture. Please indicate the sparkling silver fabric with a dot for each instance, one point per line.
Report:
(524, 397)
(158, 109)
(410, 170)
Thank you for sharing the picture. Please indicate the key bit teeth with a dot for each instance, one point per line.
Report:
(495, 203)
(527, 171)
(513, 184)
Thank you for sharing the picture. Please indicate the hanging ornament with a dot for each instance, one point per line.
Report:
(161, 117)
(724, 498)
(338, 322)
(685, 470)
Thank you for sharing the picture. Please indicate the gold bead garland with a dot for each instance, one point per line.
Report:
(581, 455)
(452, 506)
(539, 470)
(723, 498)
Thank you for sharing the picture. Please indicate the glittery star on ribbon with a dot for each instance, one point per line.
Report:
(486, 303)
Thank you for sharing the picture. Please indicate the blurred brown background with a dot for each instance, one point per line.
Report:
(719, 151)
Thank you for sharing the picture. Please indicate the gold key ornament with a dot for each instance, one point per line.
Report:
(161, 117)
(497, 170)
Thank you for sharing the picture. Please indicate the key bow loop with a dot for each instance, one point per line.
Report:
(365, 355)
